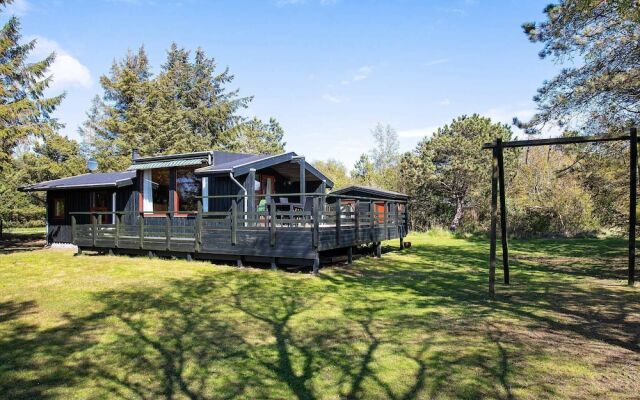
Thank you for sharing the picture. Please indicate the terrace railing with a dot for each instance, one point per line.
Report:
(342, 223)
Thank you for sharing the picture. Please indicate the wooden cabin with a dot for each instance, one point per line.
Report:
(219, 205)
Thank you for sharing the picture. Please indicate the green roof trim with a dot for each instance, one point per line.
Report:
(167, 164)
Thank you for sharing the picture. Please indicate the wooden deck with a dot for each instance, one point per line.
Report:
(274, 236)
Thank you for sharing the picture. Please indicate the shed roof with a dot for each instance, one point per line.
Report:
(100, 180)
(370, 191)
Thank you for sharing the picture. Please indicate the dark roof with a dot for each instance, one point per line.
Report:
(357, 190)
(107, 179)
(236, 165)
(242, 165)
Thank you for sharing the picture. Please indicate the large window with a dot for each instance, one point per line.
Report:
(188, 187)
(160, 189)
(58, 208)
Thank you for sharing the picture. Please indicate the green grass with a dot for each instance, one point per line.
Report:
(38, 230)
(416, 324)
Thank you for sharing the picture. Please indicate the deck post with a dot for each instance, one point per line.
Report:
(167, 230)
(94, 228)
(503, 212)
(633, 189)
(338, 220)
(385, 215)
(303, 183)
(357, 221)
(379, 249)
(239, 263)
(273, 222)
(73, 229)
(234, 221)
(316, 221)
(274, 266)
(350, 255)
(141, 229)
(198, 232)
(251, 195)
(372, 221)
(316, 264)
(494, 216)
(116, 220)
(406, 218)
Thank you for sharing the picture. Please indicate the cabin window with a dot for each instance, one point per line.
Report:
(188, 188)
(160, 189)
(58, 208)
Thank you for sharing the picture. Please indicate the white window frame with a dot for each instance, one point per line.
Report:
(147, 191)
(205, 192)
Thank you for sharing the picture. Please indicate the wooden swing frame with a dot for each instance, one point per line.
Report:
(497, 181)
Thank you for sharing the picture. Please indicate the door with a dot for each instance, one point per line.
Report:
(101, 201)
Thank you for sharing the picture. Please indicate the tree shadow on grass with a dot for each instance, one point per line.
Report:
(416, 326)
(548, 296)
(13, 243)
(35, 362)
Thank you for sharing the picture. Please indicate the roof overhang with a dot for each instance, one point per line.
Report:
(167, 163)
(73, 182)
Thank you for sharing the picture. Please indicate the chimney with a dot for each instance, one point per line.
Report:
(134, 154)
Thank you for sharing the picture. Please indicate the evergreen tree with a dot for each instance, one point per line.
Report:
(186, 107)
(448, 171)
(363, 170)
(334, 170)
(24, 110)
(601, 91)
(256, 137)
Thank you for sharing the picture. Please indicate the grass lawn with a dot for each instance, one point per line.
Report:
(416, 324)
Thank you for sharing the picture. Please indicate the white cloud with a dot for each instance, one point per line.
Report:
(18, 7)
(67, 71)
(418, 132)
(333, 99)
(363, 73)
(437, 62)
(444, 102)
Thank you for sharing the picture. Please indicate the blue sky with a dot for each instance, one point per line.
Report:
(328, 70)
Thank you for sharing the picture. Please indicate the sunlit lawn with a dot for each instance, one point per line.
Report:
(416, 324)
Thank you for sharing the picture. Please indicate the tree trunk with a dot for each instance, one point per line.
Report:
(458, 216)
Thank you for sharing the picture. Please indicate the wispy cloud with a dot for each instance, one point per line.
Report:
(67, 71)
(444, 102)
(361, 74)
(437, 61)
(333, 98)
(18, 7)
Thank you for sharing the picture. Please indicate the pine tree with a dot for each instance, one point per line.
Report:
(24, 110)
(186, 107)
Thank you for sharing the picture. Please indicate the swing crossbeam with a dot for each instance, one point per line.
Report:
(498, 187)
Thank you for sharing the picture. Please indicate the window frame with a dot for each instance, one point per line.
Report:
(176, 196)
(173, 194)
(54, 201)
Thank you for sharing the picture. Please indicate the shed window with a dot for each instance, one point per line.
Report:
(58, 208)
(160, 189)
(188, 187)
